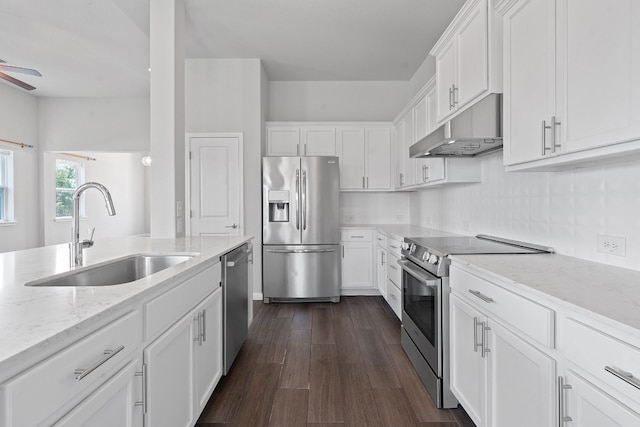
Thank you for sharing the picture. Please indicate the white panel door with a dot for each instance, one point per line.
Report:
(169, 361)
(351, 152)
(378, 159)
(215, 186)
(472, 57)
(283, 141)
(318, 141)
(599, 72)
(468, 368)
(529, 79)
(521, 381)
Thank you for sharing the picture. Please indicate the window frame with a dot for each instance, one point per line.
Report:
(7, 186)
(80, 179)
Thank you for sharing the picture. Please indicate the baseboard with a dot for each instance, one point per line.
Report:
(257, 296)
(356, 292)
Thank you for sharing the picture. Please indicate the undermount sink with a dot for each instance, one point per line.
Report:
(116, 272)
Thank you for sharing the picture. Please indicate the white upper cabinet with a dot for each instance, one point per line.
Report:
(468, 59)
(283, 141)
(318, 141)
(365, 157)
(572, 81)
(295, 140)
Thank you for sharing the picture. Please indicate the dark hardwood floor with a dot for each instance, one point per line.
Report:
(321, 364)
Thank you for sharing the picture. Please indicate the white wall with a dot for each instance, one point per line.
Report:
(228, 95)
(374, 208)
(128, 192)
(94, 124)
(423, 74)
(19, 122)
(335, 101)
(566, 210)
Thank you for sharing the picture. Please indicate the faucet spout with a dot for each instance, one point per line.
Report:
(78, 245)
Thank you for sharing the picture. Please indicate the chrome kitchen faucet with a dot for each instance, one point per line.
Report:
(76, 246)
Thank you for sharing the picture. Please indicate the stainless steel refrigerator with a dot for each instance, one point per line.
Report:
(300, 230)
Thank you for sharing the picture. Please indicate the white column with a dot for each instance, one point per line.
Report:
(167, 118)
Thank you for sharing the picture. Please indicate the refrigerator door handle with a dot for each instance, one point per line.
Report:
(300, 251)
(297, 199)
(304, 200)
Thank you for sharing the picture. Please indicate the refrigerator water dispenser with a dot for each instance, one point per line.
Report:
(279, 206)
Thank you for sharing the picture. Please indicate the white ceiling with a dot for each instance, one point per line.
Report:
(101, 47)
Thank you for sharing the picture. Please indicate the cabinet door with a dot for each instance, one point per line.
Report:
(409, 164)
(521, 382)
(207, 363)
(434, 170)
(445, 79)
(351, 152)
(378, 159)
(381, 270)
(472, 57)
(318, 141)
(588, 406)
(112, 404)
(399, 150)
(599, 72)
(421, 116)
(357, 266)
(529, 79)
(169, 361)
(468, 371)
(283, 141)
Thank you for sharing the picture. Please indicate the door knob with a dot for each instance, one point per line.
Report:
(234, 225)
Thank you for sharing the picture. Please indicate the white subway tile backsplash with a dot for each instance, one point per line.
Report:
(566, 209)
(374, 208)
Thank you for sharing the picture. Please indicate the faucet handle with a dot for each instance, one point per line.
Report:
(92, 231)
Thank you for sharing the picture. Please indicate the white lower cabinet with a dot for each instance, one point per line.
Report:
(358, 254)
(499, 378)
(184, 365)
(381, 270)
(585, 405)
(115, 403)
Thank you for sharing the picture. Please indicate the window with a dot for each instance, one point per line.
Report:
(6, 186)
(69, 175)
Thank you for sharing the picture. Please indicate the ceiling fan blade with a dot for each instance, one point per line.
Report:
(16, 82)
(23, 70)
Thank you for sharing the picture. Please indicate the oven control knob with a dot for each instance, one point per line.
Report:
(412, 248)
(404, 246)
(433, 259)
(425, 256)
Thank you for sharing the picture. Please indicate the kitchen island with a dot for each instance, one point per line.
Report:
(39, 325)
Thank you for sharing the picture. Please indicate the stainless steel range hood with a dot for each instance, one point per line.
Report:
(478, 130)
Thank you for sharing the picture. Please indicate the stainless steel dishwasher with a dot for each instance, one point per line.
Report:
(235, 283)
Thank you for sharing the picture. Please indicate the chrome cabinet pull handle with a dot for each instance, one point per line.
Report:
(475, 335)
(481, 296)
(554, 124)
(562, 417)
(356, 236)
(455, 101)
(485, 330)
(144, 401)
(394, 247)
(624, 376)
(544, 138)
(383, 254)
(204, 325)
(108, 354)
(450, 98)
(198, 337)
(234, 225)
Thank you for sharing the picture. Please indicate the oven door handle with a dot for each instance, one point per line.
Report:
(418, 274)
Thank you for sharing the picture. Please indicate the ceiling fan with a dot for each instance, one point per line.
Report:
(15, 69)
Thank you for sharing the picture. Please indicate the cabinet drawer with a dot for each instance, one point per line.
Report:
(523, 314)
(394, 298)
(394, 246)
(356, 236)
(169, 307)
(594, 351)
(394, 272)
(31, 397)
(382, 240)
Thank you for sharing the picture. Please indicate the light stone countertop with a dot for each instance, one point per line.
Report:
(400, 231)
(32, 319)
(612, 293)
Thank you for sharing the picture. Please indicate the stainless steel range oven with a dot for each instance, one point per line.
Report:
(425, 302)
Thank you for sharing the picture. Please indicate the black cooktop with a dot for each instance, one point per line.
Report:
(467, 245)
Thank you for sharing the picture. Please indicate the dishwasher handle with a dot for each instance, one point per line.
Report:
(233, 263)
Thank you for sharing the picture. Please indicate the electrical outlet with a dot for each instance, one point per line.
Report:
(349, 218)
(612, 245)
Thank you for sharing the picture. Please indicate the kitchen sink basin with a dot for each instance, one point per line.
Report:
(116, 272)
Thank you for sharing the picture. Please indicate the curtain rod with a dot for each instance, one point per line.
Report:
(22, 145)
(80, 157)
